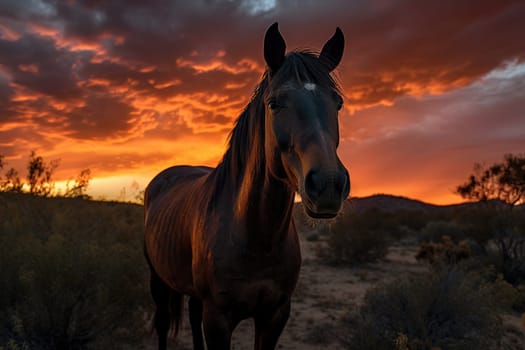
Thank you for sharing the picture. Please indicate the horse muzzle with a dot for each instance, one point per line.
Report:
(324, 192)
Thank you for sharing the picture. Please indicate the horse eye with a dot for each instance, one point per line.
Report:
(273, 105)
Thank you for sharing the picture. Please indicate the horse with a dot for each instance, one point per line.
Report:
(225, 237)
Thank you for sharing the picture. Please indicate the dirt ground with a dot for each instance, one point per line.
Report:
(325, 295)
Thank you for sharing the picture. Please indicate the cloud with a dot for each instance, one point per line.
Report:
(143, 73)
(424, 147)
(36, 64)
(6, 92)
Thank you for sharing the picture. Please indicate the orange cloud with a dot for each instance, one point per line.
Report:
(243, 66)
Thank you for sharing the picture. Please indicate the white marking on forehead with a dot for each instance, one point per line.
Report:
(309, 86)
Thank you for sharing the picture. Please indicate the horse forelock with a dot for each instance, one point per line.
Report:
(303, 69)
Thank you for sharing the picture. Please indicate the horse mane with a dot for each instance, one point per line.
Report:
(244, 159)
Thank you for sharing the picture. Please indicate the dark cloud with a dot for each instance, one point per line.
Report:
(394, 43)
(102, 117)
(6, 92)
(435, 43)
(53, 70)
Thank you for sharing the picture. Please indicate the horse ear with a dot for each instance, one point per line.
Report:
(332, 51)
(274, 48)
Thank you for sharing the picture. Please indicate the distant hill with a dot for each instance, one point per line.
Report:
(388, 203)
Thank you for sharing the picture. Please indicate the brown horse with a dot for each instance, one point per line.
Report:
(225, 236)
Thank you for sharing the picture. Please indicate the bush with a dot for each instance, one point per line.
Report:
(73, 276)
(488, 270)
(445, 252)
(450, 309)
(501, 234)
(356, 238)
(435, 230)
(519, 302)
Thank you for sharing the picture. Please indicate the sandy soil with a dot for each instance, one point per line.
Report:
(325, 295)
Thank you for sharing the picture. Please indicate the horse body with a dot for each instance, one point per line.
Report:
(241, 266)
(168, 240)
(193, 244)
(225, 236)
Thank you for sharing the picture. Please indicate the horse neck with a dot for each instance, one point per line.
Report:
(262, 202)
(268, 211)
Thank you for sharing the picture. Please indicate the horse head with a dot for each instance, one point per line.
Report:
(302, 103)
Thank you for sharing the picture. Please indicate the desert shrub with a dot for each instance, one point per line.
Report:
(403, 222)
(481, 224)
(519, 302)
(500, 237)
(486, 268)
(435, 230)
(445, 252)
(448, 310)
(75, 281)
(512, 269)
(356, 238)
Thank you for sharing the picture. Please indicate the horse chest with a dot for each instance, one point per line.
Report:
(255, 281)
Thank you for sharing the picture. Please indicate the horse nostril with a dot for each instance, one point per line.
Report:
(314, 185)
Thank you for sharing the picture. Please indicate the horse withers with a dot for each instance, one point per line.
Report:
(225, 236)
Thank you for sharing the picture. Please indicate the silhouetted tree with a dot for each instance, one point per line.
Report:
(139, 197)
(79, 188)
(39, 175)
(12, 182)
(39, 179)
(501, 182)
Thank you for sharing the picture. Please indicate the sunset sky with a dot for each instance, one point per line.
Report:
(128, 88)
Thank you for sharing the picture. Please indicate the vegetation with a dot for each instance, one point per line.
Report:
(445, 252)
(449, 309)
(434, 231)
(476, 258)
(359, 235)
(39, 175)
(501, 187)
(357, 238)
(39, 179)
(73, 274)
(503, 181)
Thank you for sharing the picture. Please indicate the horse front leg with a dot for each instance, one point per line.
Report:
(218, 327)
(269, 326)
(161, 319)
(195, 309)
